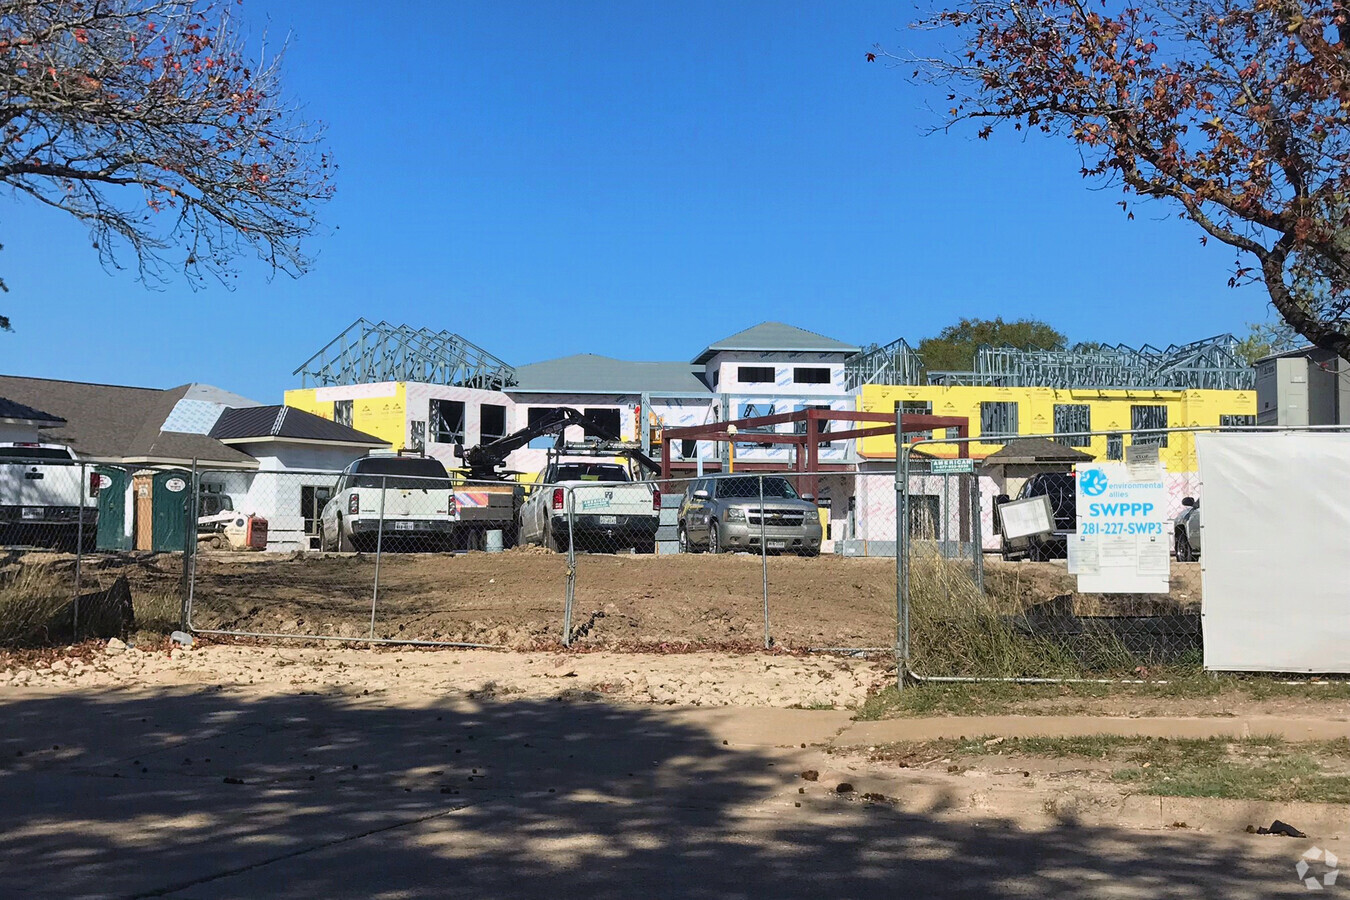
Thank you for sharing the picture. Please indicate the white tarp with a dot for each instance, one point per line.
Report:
(1275, 551)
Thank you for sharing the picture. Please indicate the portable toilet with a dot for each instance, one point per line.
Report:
(112, 532)
(162, 500)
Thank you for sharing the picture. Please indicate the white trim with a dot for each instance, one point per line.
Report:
(180, 461)
(36, 423)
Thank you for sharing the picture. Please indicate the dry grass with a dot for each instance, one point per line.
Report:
(957, 629)
(1253, 768)
(30, 598)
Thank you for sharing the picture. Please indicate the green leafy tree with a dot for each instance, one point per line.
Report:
(1265, 338)
(954, 347)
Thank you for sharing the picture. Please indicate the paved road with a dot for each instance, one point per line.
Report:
(220, 795)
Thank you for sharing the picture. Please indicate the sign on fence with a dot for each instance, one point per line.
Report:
(951, 466)
(1120, 546)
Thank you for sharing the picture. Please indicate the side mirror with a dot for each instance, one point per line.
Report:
(809, 497)
(701, 495)
(1188, 501)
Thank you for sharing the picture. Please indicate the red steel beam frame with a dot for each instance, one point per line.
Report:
(808, 443)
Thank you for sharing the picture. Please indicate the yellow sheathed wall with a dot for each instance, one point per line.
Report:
(304, 399)
(1109, 411)
(385, 417)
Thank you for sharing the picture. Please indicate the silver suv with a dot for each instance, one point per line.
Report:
(722, 514)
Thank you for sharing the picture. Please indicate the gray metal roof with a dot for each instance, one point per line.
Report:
(776, 336)
(13, 409)
(587, 373)
(286, 423)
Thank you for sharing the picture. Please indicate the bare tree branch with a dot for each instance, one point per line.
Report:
(146, 120)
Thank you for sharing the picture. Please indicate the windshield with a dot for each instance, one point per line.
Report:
(404, 473)
(777, 488)
(33, 453)
(591, 472)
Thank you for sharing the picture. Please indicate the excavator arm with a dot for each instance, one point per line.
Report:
(484, 460)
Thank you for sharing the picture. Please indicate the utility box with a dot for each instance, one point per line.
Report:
(1303, 387)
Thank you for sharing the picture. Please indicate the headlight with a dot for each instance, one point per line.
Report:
(735, 514)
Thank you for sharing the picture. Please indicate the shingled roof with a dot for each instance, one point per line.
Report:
(1033, 450)
(14, 411)
(116, 422)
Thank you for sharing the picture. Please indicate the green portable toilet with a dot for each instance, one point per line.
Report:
(112, 533)
(169, 511)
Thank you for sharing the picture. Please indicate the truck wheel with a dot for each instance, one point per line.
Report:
(341, 542)
(557, 541)
(714, 538)
(645, 546)
(684, 541)
(1185, 552)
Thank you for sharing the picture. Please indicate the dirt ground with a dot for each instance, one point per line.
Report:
(516, 599)
(685, 679)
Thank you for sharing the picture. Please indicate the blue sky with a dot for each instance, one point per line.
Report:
(633, 179)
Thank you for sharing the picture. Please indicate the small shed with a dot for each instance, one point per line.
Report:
(1021, 458)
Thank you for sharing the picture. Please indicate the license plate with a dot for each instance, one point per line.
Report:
(609, 520)
(404, 526)
(33, 512)
(777, 545)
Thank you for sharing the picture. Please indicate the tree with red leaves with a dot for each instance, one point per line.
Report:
(145, 120)
(1237, 111)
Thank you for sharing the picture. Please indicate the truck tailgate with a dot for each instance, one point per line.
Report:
(42, 485)
(612, 499)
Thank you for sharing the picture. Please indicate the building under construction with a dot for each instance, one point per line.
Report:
(436, 391)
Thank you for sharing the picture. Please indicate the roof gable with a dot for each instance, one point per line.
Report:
(775, 336)
(283, 423)
(13, 409)
(1031, 450)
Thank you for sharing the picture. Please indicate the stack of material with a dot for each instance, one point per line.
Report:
(668, 528)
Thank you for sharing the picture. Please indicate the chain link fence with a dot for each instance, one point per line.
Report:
(945, 576)
(590, 561)
(1090, 565)
(73, 564)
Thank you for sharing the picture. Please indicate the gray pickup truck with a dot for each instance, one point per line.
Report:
(722, 514)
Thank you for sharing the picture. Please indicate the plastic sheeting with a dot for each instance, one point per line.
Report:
(1275, 551)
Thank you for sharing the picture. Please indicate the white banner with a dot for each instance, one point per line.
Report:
(1275, 520)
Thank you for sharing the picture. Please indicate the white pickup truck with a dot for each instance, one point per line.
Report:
(608, 511)
(413, 494)
(44, 495)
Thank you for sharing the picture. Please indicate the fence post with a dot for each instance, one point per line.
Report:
(190, 547)
(901, 553)
(79, 552)
(977, 531)
(379, 551)
(764, 564)
(571, 567)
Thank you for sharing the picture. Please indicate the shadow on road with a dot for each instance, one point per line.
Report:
(200, 795)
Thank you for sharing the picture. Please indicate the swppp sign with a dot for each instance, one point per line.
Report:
(1120, 546)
